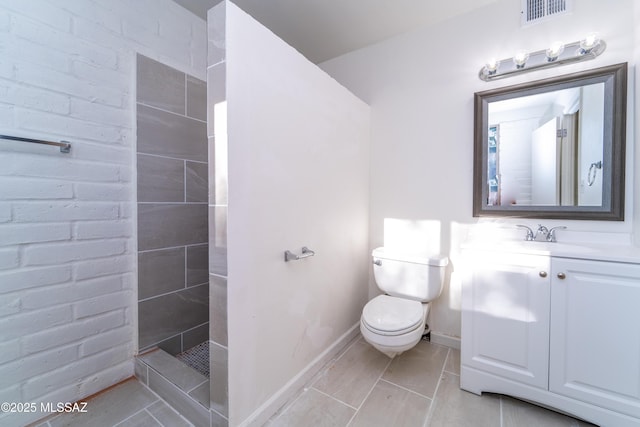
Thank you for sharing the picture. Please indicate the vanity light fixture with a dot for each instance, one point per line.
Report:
(557, 54)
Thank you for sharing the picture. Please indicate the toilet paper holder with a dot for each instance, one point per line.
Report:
(290, 256)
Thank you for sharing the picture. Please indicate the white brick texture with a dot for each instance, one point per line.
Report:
(67, 243)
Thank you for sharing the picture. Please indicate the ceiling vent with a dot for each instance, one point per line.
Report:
(534, 11)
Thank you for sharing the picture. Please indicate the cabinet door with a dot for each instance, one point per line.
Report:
(595, 333)
(505, 316)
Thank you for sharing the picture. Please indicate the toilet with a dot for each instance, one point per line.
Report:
(395, 322)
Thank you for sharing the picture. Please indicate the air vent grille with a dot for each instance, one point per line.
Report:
(539, 10)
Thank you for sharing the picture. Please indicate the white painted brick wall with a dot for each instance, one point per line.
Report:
(9, 350)
(69, 292)
(29, 366)
(26, 323)
(9, 258)
(5, 210)
(25, 278)
(103, 267)
(67, 243)
(77, 331)
(73, 372)
(65, 252)
(14, 234)
(25, 188)
(101, 229)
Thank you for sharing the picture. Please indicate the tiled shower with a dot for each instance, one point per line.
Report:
(172, 196)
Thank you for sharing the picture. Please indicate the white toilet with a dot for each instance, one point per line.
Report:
(395, 322)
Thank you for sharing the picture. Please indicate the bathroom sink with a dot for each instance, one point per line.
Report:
(581, 250)
(541, 248)
(554, 247)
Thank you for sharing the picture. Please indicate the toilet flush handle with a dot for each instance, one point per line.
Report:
(377, 262)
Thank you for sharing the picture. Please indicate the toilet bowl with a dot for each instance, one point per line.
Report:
(395, 322)
(393, 325)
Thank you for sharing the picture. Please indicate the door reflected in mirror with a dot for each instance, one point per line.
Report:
(542, 148)
(553, 148)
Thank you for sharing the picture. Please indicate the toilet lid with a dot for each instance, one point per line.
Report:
(389, 314)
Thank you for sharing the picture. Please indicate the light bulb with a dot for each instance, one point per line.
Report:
(554, 51)
(491, 67)
(520, 59)
(588, 43)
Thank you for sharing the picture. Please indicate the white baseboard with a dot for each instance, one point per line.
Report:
(261, 415)
(449, 341)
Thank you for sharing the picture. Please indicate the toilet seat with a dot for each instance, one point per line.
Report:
(387, 315)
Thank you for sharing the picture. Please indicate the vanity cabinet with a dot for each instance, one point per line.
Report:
(595, 333)
(506, 317)
(561, 332)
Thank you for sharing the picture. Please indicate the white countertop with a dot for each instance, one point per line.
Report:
(578, 250)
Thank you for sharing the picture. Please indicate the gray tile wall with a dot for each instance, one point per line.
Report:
(172, 160)
(218, 203)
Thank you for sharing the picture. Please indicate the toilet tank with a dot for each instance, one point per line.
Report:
(414, 277)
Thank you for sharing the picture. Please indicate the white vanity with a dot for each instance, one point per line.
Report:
(555, 324)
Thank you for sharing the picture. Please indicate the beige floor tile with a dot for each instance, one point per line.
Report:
(350, 378)
(179, 400)
(453, 361)
(418, 369)
(516, 413)
(141, 419)
(334, 359)
(390, 405)
(167, 416)
(313, 408)
(455, 407)
(110, 407)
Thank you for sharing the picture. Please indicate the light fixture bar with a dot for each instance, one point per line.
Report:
(538, 60)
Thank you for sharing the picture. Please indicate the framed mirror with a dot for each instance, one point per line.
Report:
(552, 148)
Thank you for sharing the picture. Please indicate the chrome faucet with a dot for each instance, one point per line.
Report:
(529, 236)
(542, 231)
(551, 235)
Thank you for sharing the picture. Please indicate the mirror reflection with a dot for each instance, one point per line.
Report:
(547, 149)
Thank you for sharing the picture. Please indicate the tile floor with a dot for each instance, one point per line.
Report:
(129, 404)
(421, 387)
(360, 388)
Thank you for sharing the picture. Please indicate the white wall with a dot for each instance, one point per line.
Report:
(591, 148)
(298, 176)
(420, 87)
(67, 246)
(634, 76)
(515, 160)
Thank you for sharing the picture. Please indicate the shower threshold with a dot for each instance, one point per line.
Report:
(180, 385)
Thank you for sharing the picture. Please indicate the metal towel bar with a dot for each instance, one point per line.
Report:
(65, 146)
(290, 256)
